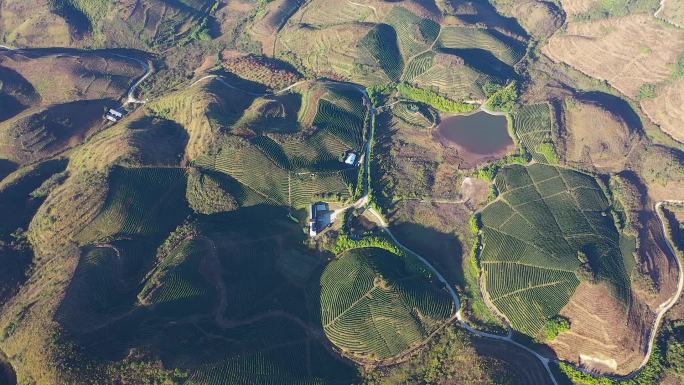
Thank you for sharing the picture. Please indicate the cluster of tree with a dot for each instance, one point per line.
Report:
(504, 98)
(344, 243)
(433, 99)
(555, 326)
(488, 172)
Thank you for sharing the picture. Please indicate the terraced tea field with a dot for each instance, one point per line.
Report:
(177, 287)
(549, 228)
(381, 43)
(532, 125)
(414, 34)
(140, 201)
(376, 305)
(506, 49)
(297, 168)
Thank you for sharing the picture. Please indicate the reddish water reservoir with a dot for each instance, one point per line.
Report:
(478, 137)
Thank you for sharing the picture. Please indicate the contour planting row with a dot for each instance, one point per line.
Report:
(506, 49)
(382, 45)
(533, 125)
(376, 305)
(138, 202)
(414, 33)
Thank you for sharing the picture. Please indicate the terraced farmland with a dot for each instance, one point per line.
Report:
(414, 33)
(449, 75)
(141, 201)
(177, 286)
(550, 227)
(381, 43)
(297, 168)
(504, 48)
(376, 305)
(532, 125)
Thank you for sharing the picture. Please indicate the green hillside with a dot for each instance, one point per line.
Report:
(376, 305)
(549, 228)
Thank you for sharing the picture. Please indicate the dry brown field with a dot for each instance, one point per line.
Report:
(626, 51)
(667, 109)
(24, 23)
(575, 7)
(604, 335)
(596, 137)
(673, 12)
(62, 77)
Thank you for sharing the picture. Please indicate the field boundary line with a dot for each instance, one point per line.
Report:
(362, 297)
(524, 289)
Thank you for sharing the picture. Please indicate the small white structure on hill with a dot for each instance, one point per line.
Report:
(115, 114)
(350, 158)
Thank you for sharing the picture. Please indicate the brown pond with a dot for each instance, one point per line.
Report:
(478, 137)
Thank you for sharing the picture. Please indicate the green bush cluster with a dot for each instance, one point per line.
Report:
(555, 326)
(612, 8)
(433, 99)
(549, 151)
(489, 88)
(678, 67)
(504, 99)
(378, 93)
(475, 227)
(646, 91)
(344, 243)
(206, 195)
(488, 171)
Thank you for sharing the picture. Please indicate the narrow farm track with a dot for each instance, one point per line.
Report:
(131, 99)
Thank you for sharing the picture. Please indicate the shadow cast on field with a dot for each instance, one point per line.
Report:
(443, 250)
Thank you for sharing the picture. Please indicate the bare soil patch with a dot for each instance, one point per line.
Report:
(605, 336)
(539, 18)
(575, 7)
(626, 51)
(673, 12)
(596, 137)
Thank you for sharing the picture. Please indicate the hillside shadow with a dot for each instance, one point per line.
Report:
(443, 250)
(17, 206)
(275, 322)
(6, 167)
(520, 366)
(488, 15)
(7, 374)
(483, 61)
(614, 105)
(16, 93)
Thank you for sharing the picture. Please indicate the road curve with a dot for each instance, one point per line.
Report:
(130, 98)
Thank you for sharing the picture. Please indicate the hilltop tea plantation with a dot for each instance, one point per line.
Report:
(377, 304)
(341, 192)
(549, 228)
